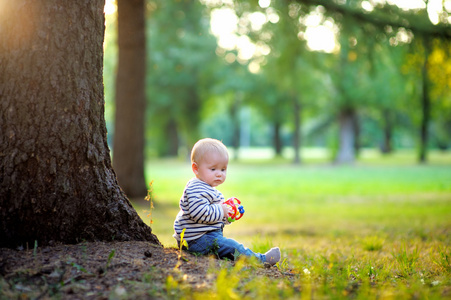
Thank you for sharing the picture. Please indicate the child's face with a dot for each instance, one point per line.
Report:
(212, 168)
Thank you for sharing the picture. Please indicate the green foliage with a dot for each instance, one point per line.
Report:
(149, 197)
(179, 46)
(77, 267)
(443, 261)
(373, 243)
(261, 243)
(194, 89)
(110, 258)
(183, 243)
(407, 261)
(282, 265)
(323, 273)
(35, 248)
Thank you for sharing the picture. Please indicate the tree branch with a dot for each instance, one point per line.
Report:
(416, 21)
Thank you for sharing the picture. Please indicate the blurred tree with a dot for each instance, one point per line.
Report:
(296, 72)
(233, 85)
(383, 14)
(353, 86)
(57, 183)
(432, 72)
(383, 17)
(182, 59)
(440, 76)
(285, 70)
(391, 85)
(128, 148)
(283, 89)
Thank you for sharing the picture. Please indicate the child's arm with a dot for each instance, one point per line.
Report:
(202, 211)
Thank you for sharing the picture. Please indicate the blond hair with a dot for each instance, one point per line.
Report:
(206, 145)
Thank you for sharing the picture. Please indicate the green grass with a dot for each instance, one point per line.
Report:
(376, 230)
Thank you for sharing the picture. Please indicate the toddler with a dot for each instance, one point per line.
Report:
(203, 213)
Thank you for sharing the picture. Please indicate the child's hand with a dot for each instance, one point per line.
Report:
(226, 209)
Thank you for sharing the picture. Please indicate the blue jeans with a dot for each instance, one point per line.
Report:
(213, 242)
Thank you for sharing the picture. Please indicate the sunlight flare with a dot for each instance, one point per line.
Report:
(110, 7)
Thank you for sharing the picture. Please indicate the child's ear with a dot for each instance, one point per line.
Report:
(195, 168)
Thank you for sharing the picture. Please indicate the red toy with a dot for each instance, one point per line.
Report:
(237, 209)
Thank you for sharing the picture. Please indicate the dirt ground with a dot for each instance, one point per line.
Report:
(104, 270)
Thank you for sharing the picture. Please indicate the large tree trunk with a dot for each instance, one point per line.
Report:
(346, 150)
(56, 179)
(128, 148)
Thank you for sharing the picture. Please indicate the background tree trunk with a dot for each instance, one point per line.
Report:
(56, 179)
(346, 150)
(128, 148)
(277, 140)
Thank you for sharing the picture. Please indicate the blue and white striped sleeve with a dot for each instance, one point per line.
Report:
(201, 210)
(201, 204)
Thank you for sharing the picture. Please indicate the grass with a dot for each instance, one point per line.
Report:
(376, 230)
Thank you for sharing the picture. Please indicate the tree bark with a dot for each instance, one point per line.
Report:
(128, 148)
(56, 178)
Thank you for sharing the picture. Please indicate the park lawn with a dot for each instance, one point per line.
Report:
(373, 230)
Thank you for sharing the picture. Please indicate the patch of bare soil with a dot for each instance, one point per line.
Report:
(101, 270)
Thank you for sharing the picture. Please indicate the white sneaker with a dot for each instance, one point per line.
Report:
(273, 256)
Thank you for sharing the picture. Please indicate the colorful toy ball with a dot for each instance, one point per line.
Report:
(236, 207)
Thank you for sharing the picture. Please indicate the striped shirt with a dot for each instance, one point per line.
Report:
(200, 210)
